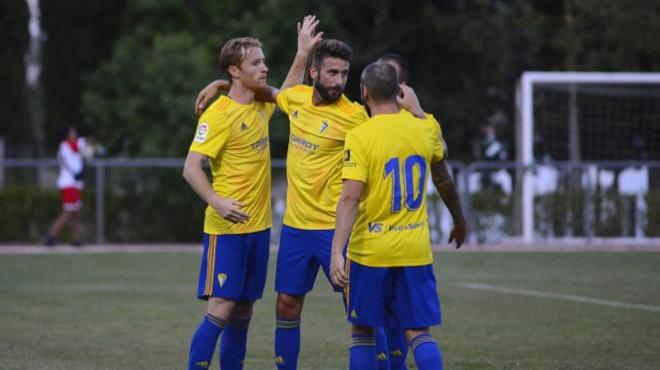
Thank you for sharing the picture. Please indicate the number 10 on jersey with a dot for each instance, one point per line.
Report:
(413, 185)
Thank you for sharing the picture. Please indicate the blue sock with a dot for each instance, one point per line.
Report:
(203, 342)
(287, 343)
(363, 352)
(381, 349)
(426, 352)
(398, 346)
(233, 344)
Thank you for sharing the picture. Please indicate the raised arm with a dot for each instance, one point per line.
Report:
(445, 185)
(307, 39)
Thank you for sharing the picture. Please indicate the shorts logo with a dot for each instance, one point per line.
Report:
(375, 227)
(222, 277)
(354, 314)
(347, 155)
(324, 125)
(280, 360)
(202, 132)
(244, 126)
(295, 114)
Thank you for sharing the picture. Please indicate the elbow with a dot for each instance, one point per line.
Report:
(187, 172)
(350, 199)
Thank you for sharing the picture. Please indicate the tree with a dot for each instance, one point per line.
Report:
(14, 40)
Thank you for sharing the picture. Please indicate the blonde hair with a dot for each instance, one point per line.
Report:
(233, 52)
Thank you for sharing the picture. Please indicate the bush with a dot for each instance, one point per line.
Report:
(652, 227)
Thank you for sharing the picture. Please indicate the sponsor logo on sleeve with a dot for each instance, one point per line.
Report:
(347, 159)
(202, 132)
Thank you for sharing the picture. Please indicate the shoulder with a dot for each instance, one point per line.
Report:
(435, 124)
(428, 122)
(265, 106)
(364, 130)
(297, 91)
(223, 103)
(63, 149)
(220, 108)
(351, 108)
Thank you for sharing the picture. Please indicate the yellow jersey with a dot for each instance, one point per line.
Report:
(391, 154)
(314, 155)
(234, 138)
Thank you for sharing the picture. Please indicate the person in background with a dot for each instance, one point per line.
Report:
(72, 152)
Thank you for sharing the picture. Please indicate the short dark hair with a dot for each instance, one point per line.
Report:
(331, 48)
(404, 67)
(379, 78)
(233, 52)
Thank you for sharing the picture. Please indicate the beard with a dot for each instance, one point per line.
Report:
(329, 95)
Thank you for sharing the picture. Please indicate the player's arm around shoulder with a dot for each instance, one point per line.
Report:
(307, 39)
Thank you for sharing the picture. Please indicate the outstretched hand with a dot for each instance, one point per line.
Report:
(307, 36)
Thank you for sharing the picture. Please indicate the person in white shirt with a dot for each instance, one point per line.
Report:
(71, 154)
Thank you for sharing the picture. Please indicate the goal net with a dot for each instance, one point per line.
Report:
(590, 144)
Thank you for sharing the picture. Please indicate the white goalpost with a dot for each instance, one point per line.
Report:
(558, 118)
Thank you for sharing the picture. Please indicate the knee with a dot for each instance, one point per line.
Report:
(413, 333)
(288, 306)
(243, 310)
(362, 330)
(220, 308)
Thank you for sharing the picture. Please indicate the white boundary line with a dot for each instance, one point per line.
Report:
(564, 297)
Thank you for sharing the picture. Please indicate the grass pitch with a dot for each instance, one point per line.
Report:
(138, 311)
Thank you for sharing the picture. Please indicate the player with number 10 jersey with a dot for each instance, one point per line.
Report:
(392, 226)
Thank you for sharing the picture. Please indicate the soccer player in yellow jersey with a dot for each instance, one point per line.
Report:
(320, 116)
(233, 135)
(389, 274)
(396, 339)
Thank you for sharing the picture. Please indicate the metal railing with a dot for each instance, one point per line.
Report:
(490, 194)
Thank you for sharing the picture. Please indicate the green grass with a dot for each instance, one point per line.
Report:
(138, 311)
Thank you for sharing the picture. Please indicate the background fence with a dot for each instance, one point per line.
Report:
(147, 200)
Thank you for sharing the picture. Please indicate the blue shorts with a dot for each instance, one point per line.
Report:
(234, 266)
(404, 297)
(300, 254)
